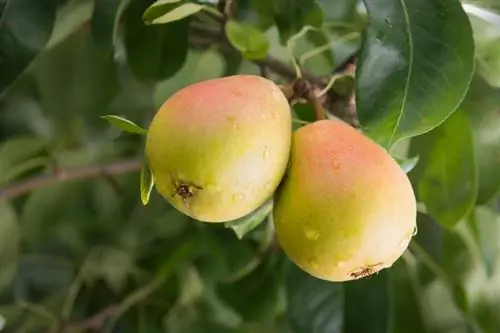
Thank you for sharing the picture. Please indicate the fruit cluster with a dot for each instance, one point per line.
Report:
(343, 208)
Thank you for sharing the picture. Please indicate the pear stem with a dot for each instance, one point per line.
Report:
(302, 89)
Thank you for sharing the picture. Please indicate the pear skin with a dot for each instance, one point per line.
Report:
(219, 148)
(345, 209)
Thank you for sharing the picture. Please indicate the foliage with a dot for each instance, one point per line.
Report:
(80, 249)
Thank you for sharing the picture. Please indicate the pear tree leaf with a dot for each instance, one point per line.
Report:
(249, 222)
(104, 23)
(446, 176)
(125, 124)
(155, 52)
(147, 183)
(414, 67)
(407, 163)
(9, 244)
(25, 29)
(481, 106)
(247, 39)
(165, 14)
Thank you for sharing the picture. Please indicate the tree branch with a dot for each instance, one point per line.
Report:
(203, 37)
(92, 171)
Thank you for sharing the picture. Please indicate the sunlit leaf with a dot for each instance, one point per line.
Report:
(147, 182)
(414, 67)
(250, 41)
(125, 124)
(175, 14)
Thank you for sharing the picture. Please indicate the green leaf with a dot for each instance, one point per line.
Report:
(446, 177)
(154, 52)
(20, 154)
(147, 183)
(245, 224)
(368, 304)
(486, 40)
(407, 163)
(9, 244)
(481, 106)
(25, 29)
(313, 305)
(408, 315)
(487, 223)
(247, 39)
(155, 14)
(414, 68)
(261, 297)
(125, 124)
(104, 23)
(109, 263)
(292, 16)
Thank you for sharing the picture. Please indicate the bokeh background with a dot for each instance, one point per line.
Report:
(79, 252)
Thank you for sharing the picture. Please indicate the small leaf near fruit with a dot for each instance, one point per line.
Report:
(407, 163)
(167, 12)
(247, 39)
(244, 225)
(147, 183)
(125, 124)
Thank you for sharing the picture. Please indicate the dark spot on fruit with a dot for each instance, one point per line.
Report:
(365, 271)
(185, 190)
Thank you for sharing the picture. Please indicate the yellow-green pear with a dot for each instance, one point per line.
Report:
(345, 208)
(219, 148)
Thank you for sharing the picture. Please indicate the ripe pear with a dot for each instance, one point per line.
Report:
(345, 209)
(219, 148)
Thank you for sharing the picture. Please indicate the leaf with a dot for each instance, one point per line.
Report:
(154, 52)
(407, 163)
(486, 40)
(292, 16)
(482, 108)
(25, 29)
(154, 14)
(313, 305)
(245, 224)
(20, 154)
(247, 39)
(147, 183)
(261, 296)
(109, 263)
(446, 176)
(487, 223)
(9, 244)
(367, 304)
(104, 23)
(414, 67)
(408, 315)
(125, 124)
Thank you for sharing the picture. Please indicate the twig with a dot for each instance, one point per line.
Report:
(204, 37)
(92, 171)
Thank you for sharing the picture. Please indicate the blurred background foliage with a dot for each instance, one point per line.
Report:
(80, 253)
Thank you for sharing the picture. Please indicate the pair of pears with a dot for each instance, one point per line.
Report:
(219, 149)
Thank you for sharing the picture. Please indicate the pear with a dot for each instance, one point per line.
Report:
(345, 208)
(219, 148)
